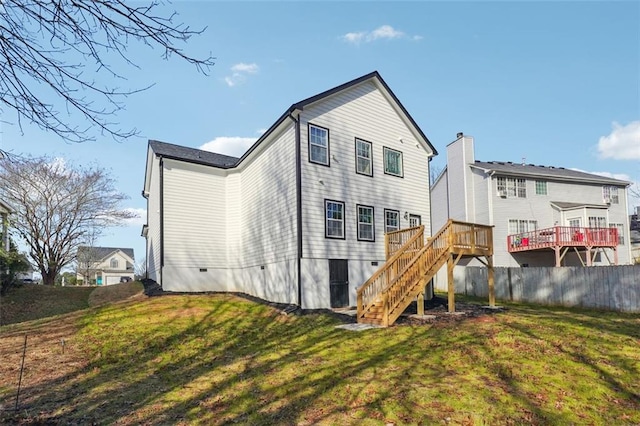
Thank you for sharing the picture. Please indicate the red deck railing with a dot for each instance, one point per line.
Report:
(563, 236)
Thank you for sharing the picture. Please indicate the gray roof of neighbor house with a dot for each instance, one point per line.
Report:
(550, 172)
(198, 156)
(562, 205)
(102, 252)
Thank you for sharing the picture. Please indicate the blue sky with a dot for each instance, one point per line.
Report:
(556, 83)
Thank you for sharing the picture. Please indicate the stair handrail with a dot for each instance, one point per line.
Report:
(374, 286)
(426, 258)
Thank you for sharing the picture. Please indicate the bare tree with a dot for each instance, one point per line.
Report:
(55, 49)
(87, 257)
(58, 207)
(141, 269)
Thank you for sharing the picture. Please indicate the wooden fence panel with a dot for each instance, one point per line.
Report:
(614, 288)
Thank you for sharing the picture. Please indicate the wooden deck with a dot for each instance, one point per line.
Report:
(563, 238)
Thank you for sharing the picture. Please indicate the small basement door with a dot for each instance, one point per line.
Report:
(339, 282)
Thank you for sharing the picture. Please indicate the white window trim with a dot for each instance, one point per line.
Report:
(327, 220)
(372, 224)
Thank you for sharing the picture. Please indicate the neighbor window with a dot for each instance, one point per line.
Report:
(334, 219)
(318, 145)
(365, 223)
(391, 220)
(541, 187)
(518, 226)
(597, 222)
(620, 228)
(364, 164)
(114, 263)
(511, 187)
(610, 194)
(392, 162)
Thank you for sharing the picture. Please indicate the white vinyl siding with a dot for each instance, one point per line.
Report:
(194, 216)
(362, 112)
(153, 220)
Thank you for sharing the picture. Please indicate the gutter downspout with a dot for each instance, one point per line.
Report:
(298, 207)
(161, 219)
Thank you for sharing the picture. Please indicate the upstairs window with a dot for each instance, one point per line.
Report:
(365, 223)
(541, 187)
(364, 163)
(610, 194)
(334, 219)
(392, 162)
(511, 187)
(318, 145)
(113, 263)
(391, 220)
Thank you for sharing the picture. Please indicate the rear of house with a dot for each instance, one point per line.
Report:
(300, 217)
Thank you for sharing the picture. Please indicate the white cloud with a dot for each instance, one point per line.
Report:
(240, 72)
(140, 216)
(384, 32)
(229, 145)
(246, 68)
(623, 143)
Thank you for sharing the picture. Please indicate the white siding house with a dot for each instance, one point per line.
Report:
(105, 265)
(300, 217)
(517, 198)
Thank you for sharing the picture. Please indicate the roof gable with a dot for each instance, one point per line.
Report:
(198, 156)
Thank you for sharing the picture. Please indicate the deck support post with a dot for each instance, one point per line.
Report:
(450, 287)
(491, 280)
(421, 304)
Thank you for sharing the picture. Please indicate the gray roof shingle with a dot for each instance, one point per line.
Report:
(102, 252)
(551, 172)
(193, 155)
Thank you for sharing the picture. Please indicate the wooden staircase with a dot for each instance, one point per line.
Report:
(411, 264)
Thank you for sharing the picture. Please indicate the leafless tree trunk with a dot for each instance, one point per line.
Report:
(87, 257)
(58, 207)
(53, 53)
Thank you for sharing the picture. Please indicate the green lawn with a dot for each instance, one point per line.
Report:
(218, 359)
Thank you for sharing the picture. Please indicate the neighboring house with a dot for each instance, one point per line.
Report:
(300, 217)
(542, 216)
(104, 265)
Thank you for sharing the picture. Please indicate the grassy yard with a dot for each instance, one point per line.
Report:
(219, 359)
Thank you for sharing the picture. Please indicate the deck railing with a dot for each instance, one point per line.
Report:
(369, 292)
(394, 240)
(563, 236)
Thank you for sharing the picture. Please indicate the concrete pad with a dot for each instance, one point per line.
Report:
(493, 307)
(358, 326)
(456, 313)
(422, 317)
(350, 312)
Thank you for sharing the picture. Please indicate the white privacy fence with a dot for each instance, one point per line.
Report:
(614, 288)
